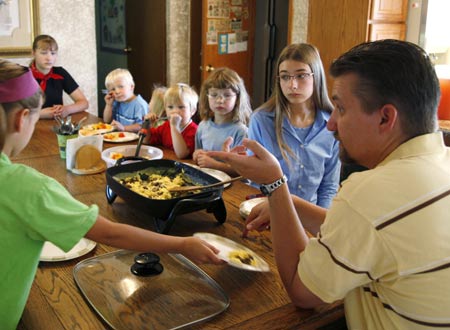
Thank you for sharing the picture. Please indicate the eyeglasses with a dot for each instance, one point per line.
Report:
(216, 96)
(298, 77)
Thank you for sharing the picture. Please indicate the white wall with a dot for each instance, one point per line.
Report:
(299, 31)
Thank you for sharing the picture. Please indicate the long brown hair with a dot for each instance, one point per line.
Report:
(308, 54)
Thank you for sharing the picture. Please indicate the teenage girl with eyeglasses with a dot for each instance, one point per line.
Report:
(54, 80)
(224, 111)
(292, 125)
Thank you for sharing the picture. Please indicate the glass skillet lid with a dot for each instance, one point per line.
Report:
(148, 291)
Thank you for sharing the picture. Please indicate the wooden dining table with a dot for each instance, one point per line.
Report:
(257, 299)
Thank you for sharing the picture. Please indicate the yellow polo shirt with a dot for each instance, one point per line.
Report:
(385, 244)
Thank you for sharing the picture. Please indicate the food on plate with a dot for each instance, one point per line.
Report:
(115, 155)
(114, 136)
(97, 128)
(155, 186)
(241, 256)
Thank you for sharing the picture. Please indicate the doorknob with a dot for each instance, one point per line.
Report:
(209, 68)
(128, 49)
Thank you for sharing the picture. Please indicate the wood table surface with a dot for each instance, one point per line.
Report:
(258, 300)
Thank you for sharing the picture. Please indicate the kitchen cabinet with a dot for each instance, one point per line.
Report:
(336, 26)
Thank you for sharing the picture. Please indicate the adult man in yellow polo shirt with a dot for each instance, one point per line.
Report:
(384, 244)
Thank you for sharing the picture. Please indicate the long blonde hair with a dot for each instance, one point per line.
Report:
(308, 54)
(158, 101)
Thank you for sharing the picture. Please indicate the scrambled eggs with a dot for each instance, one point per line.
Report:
(154, 186)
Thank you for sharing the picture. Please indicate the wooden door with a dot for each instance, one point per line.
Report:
(146, 44)
(227, 37)
(336, 26)
(387, 31)
(389, 10)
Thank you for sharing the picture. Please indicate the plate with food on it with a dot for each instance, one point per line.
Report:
(111, 155)
(96, 129)
(119, 137)
(235, 254)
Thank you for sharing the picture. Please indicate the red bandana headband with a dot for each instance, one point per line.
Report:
(18, 88)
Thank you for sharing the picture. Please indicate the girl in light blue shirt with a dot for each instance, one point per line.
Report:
(292, 125)
(224, 111)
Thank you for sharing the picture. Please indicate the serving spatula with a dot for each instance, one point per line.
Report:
(190, 188)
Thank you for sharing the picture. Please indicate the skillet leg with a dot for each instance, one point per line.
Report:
(219, 210)
(163, 226)
(110, 195)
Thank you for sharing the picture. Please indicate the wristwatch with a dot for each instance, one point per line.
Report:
(268, 189)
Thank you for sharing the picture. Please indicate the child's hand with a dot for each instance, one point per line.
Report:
(196, 154)
(109, 98)
(226, 146)
(57, 110)
(175, 121)
(203, 160)
(117, 126)
(151, 116)
(200, 251)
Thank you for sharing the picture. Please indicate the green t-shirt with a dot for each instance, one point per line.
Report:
(34, 208)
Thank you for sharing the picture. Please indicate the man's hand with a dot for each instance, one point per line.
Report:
(261, 167)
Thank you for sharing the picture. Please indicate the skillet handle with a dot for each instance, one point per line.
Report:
(124, 159)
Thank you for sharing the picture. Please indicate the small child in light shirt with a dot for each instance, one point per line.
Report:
(124, 110)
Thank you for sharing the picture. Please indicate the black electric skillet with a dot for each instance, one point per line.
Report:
(165, 211)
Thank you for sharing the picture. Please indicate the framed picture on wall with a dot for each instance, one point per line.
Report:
(19, 25)
(112, 25)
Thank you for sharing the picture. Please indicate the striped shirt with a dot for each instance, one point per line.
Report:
(385, 244)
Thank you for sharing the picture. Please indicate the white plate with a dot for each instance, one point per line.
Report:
(51, 252)
(226, 246)
(219, 175)
(246, 207)
(148, 152)
(119, 137)
(94, 129)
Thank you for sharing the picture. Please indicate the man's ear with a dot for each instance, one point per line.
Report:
(388, 116)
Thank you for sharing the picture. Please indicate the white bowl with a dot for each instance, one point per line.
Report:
(129, 150)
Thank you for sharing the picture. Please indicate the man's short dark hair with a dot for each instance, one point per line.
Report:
(394, 72)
